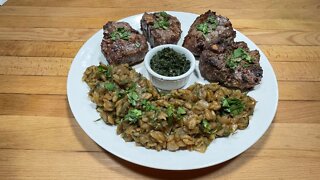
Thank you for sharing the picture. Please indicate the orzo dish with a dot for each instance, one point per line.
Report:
(181, 119)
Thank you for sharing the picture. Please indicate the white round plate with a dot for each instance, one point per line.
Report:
(220, 150)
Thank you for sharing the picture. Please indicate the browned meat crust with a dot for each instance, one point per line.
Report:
(156, 36)
(120, 51)
(213, 67)
(219, 34)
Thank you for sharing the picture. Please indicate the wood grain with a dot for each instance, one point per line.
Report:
(119, 13)
(289, 90)
(33, 84)
(46, 34)
(90, 164)
(35, 105)
(51, 22)
(299, 90)
(291, 71)
(297, 71)
(263, 4)
(48, 130)
(39, 105)
(287, 37)
(39, 48)
(298, 112)
(34, 66)
(283, 37)
(291, 53)
(95, 23)
(69, 49)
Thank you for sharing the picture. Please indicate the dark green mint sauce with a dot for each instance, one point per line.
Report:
(168, 62)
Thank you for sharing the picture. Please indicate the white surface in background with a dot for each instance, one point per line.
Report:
(2, 2)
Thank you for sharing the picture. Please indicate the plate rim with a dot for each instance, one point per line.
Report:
(82, 50)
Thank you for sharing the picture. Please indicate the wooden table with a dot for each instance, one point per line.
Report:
(40, 139)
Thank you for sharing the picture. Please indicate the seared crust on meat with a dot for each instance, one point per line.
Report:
(213, 67)
(217, 38)
(159, 36)
(121, 51)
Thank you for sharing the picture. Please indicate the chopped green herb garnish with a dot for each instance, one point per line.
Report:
(161, 24)
(237, 56)
(164, 14)
(232, 106)
(109, 86)
(146, 105)
(133, 116)
(133, 97)
(233, 63)
(168, 62)
(101, 68)
(137, 44)
(212, 20)
(162, 21)
(118, 121)
(206, 126)
(132, 87)
(203, 27)
(209, 25)
(245, 65)
(120, 33)
(107, 72)
(170, 111)
(181, 111)
(121, 93)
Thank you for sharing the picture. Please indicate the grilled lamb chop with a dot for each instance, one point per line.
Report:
(209, 31)
(236, 67)
(122, 44)
(160, 28)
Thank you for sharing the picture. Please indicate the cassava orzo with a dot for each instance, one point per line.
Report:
(182, 119)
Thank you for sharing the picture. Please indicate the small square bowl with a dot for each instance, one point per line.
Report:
(166, 82)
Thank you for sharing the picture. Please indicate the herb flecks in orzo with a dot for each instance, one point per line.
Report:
(182, 119)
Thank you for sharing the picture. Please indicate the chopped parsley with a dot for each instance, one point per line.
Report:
(212, 20)
(232, 106)
(174, 113)
(181, 111)
(170, 111)
(206, 126)
(106, 70)
(137, 44)
(133, 116)
(203, 27)
(209, 25)
(121, 93)
(162, 21)
(164, 14)
(133, 97)
(146, 105)
(120, 33)
(237, 56)
(109, 86)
